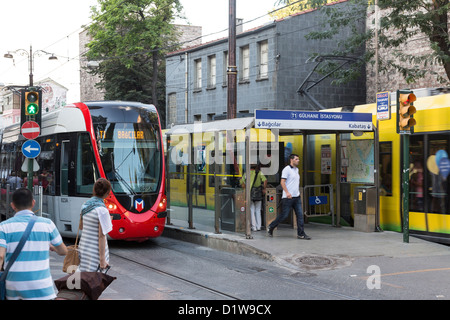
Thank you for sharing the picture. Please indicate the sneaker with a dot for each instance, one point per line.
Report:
(270, 232)
(304, 237)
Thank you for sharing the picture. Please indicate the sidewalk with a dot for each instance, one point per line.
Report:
(327, 244)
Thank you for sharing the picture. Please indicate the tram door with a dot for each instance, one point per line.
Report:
(64, 201)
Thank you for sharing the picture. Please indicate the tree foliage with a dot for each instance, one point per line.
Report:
(129, 39)
(405, 27)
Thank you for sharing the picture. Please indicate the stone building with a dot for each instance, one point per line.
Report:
(272, 63)
(394, 80)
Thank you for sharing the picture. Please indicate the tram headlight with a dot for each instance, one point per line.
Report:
(162, 205)
(111, 206)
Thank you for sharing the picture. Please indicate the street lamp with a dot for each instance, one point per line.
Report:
(31, 57)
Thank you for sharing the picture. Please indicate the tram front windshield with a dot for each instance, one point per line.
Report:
(131, 156)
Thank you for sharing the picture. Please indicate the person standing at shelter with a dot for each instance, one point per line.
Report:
(96, 223)
(259, 182)
(29, 277)
(290, 182)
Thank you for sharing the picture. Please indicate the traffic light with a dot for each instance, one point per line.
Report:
(405, 111)
(31, 105)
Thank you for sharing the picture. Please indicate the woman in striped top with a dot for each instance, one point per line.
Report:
(96, 223)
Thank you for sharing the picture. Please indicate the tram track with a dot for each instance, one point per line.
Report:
(178, 278)
(262, 274)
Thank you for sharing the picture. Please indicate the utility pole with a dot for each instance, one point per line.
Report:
(232, 68)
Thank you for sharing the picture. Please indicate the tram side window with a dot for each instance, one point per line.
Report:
(87, 171)
(46, 160)
(11, 163)
(386, 168)
(437, 167)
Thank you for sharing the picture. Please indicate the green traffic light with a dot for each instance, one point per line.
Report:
(32, 109)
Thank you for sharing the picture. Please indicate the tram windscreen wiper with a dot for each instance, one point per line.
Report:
(121, 179)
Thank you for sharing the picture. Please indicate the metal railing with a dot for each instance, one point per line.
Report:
(319, 201)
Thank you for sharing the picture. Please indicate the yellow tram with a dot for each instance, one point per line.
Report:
(429, 186)
(429, 204)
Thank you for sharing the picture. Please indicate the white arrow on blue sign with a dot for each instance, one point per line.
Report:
(31, 149)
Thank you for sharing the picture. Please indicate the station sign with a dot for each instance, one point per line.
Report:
(313, 120)
(383, 106)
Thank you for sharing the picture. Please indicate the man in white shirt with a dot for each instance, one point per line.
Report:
(290, 182)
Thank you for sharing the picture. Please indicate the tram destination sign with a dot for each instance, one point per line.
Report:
(313, 120)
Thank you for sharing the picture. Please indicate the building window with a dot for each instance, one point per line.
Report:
(263, 60)
(225, 68)
(244, 74)
(197, 118)
(197, 74)
(212, 71)
(172, 108)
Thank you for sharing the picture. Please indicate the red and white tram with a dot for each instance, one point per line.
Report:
(81, 142)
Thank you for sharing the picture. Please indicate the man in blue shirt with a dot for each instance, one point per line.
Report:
(290, 182)
(29, 277)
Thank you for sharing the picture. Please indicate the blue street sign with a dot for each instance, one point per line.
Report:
(383, 106)
(317, 200)
(31, 149)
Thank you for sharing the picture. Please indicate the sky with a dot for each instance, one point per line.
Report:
(53, 26)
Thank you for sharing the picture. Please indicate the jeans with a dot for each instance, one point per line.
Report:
(255, 209)
(286, 206)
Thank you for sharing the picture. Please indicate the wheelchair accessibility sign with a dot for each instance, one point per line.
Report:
(318, 200)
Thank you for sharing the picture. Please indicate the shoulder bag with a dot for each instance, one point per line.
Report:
(256, 194)
(72, 257)
(14, 256)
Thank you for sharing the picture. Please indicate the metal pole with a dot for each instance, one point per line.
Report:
(190, 177)
(377, 175)
(232, 68)
(30, 175)
(248, 218)
(31, 66)
(30, 161)
(405, 182)
(168, 148)
(217, 182)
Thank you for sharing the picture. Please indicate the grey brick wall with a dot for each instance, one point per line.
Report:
(287, 68)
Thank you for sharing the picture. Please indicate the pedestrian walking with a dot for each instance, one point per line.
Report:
(29, 277)
(96, 223)
(290, 182)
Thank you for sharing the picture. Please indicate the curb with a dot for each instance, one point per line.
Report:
(215, 241)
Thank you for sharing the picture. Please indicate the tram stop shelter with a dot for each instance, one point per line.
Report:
(207, 165)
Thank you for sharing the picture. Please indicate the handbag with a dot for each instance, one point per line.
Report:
(91, 285)
(72, 257)
(256, 194)
(14, 256)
